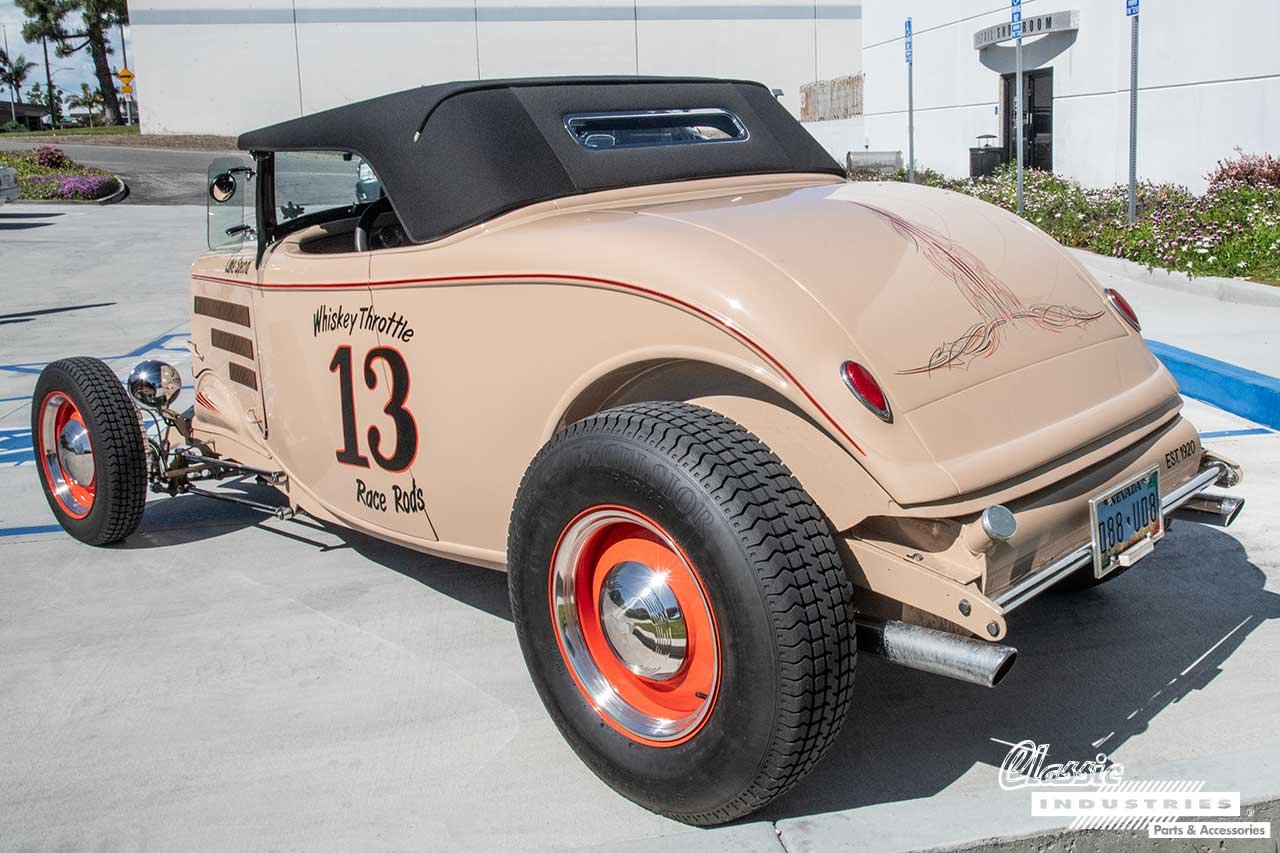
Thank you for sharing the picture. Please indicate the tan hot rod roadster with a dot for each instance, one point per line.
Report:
(724, 417)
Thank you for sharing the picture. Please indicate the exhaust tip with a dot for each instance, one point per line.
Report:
(1233, 511)
(1003, 669)
(938, 652)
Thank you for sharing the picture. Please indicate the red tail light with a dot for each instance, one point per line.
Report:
(865, 387)
(1124, 308)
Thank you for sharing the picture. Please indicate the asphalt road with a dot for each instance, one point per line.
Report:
(154, 175)
(225, 682)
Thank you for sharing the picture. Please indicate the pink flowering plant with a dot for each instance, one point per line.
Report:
(1233, 229)
(48, 173)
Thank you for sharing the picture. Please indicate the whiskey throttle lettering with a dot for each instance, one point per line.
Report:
(329, 319)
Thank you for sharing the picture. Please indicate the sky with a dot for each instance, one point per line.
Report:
(77, 68)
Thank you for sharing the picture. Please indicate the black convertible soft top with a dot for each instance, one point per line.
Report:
(456, 154)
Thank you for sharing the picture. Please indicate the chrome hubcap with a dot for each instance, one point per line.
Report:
(642, 621)
(67, 454)
(75, 454)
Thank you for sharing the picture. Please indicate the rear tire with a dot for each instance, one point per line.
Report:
(763, 604)
(89, 450)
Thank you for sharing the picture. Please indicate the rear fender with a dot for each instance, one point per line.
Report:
(753, 397)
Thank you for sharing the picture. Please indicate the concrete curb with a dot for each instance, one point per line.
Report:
(1129, 841)
(117, 196)
(1242, 392)
(1234, 290)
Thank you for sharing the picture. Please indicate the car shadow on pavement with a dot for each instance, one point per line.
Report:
(192, 518)
(22, 226)
(1094, 668)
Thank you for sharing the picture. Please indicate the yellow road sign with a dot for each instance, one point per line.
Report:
(126, 76)
(126, 89)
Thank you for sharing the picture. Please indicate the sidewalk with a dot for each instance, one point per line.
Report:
(1219, 337)
(1246, 335)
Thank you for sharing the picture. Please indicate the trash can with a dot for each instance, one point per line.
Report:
(984, 159)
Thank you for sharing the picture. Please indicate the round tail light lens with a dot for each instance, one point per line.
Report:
(1124, 308)
(865, 387)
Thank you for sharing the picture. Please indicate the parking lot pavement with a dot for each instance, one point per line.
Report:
(225, 681)
(86, 280)
(154, 175)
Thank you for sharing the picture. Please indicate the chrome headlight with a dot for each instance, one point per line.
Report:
(154, 384)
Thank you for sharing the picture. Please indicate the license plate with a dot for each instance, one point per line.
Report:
(1127, 521)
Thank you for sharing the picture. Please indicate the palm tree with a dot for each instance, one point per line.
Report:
(13, 73)
(88, 99)
(44, 23)
(47, 20)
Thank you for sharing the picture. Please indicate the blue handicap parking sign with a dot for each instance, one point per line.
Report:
(1131, 7)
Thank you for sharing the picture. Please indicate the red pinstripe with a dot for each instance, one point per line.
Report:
(722, 322)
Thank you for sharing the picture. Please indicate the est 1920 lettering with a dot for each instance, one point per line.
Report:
(1181, 453)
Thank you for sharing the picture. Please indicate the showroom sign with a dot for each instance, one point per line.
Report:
(1036, 25)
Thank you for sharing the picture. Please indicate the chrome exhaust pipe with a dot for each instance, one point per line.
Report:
(1206, 508)
(929, 650)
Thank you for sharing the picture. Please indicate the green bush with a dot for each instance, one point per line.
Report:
(1231, 230)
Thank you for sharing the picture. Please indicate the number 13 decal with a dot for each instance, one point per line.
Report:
(405, 448)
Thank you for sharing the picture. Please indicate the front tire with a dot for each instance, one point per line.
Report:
(89, 450)
(682, 609)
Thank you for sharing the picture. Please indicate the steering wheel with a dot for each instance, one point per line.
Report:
(371, 213)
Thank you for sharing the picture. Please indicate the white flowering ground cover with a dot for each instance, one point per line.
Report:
(1231, 230)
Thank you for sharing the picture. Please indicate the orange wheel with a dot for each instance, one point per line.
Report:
(634, 625)
(66, 454)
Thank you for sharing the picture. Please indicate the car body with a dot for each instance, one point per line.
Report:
(962, 402)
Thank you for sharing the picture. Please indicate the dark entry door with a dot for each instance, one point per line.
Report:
(1037, 114)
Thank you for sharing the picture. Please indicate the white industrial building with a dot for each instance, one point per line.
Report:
(1209, 82)
(225, 66)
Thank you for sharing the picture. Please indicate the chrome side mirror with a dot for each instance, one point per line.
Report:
(223, 188)
(154, 384)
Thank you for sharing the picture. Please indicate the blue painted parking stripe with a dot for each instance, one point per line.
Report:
(15, 446)
(1230, 433)
(30, 530)
(1251, 395)
(160, 343)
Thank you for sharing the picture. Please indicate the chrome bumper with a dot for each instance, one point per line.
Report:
(1188, 501)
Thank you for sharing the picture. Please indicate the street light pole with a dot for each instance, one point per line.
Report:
(1018, 121)
(124, 60)
(911, 110)
(1133, 120)
(1015, 30)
